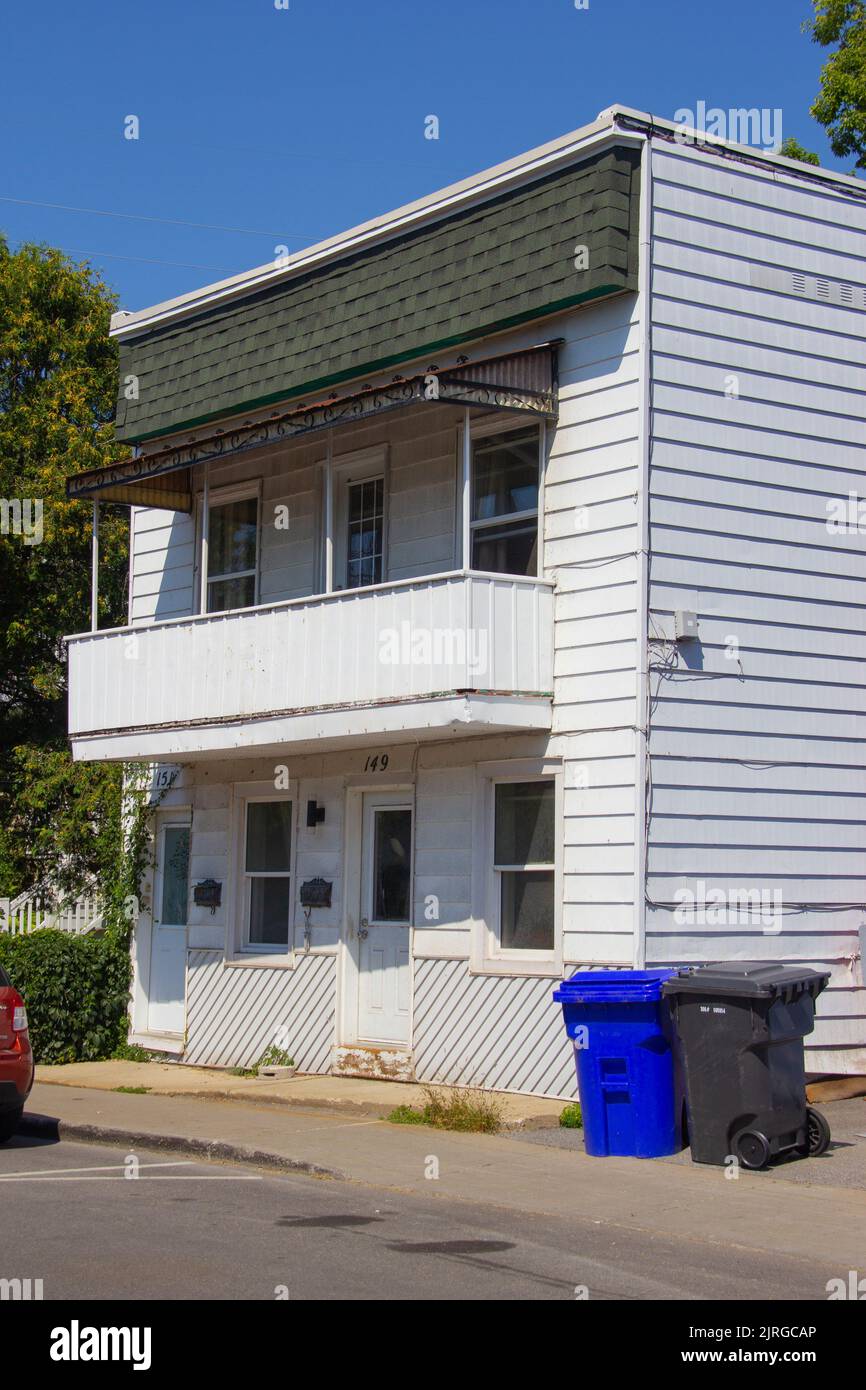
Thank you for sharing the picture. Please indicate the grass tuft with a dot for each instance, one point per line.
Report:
(132, 1090)
(467, 1111)
(571, 1117)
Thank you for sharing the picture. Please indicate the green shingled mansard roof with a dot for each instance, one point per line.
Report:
(505, 262)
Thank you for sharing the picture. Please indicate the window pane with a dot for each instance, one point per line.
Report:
(506, 549)
(269, 836)
(269, 911)
(223, 594)
(392, 856)
(232, 530)
(524, 823)
(175, 875)
(505, 474)
(366, 529)
(527, 911)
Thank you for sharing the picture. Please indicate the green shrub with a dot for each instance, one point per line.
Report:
(571, 1117)
(76, 989)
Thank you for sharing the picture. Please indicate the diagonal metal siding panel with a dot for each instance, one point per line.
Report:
(498, 1032)
(234, 1014)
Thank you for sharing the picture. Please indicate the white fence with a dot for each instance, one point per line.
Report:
(29, 913)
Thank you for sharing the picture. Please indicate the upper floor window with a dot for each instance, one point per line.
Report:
(232, 554)
(505, 473)
(365, 538)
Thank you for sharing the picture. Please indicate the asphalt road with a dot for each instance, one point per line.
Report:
(189, 1230)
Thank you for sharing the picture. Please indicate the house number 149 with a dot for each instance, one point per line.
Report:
(377, 762)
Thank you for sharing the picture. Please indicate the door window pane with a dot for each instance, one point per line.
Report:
(269, 837)
(526, 911)
(270, 899)
(366, 531)
(175, 875)
(392, 857)
(524, 823)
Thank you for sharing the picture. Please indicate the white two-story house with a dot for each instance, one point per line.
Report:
(497, 609)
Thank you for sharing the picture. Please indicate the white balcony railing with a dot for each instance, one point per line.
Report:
(381, 646)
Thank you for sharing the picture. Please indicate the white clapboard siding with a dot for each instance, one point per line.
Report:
(591, 529)
(502, 1034)
(235, 1014)
(758, 757)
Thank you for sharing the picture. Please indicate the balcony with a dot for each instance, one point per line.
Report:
(461, 653)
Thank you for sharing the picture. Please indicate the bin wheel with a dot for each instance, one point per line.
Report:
(817, 1131)
(753, 1149)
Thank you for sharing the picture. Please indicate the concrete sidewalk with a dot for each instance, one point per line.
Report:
(347, 1095)
(754, 1212)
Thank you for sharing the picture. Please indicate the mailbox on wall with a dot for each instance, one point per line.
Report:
(316, 892)
(208, 893)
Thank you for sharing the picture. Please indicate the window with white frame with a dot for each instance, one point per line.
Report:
(266, 872)
(524, 855)
(504, 520)
(360, 482)
(365, 531)
(232, 552)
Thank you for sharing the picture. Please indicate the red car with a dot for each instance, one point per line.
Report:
(16, 1058)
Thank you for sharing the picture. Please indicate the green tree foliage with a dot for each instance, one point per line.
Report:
(57, 383)
(841, 103)
(792, 149)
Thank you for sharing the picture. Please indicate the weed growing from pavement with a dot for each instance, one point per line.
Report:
(472, 1112)
(132, 1090)
(571, 1117)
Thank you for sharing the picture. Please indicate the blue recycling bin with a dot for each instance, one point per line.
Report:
(631, 1093)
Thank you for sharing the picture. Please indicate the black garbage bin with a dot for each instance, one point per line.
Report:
(741, 1026)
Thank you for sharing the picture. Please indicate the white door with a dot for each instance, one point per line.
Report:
(385, 917)
(167, 986)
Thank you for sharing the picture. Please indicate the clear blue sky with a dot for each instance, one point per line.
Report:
(295, 124)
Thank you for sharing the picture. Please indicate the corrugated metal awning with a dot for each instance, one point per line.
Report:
(524, 383)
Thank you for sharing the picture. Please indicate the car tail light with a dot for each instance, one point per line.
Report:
(19, 1013)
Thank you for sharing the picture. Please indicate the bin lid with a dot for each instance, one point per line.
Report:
(612, 986)
(751, 979)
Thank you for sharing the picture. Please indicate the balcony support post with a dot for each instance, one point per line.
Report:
(94, 570)
(205, 532)
(329, 515)
(467, 491)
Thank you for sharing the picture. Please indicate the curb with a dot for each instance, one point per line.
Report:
(366, 1109)
(46, 1127)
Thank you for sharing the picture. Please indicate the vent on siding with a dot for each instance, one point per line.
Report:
(816, 287)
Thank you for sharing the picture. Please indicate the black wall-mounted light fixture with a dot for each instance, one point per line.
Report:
(315, 814)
